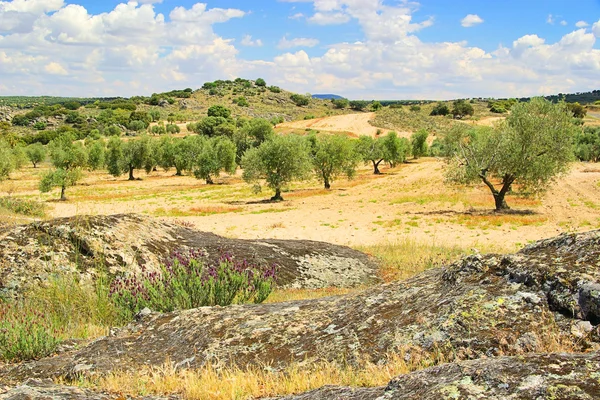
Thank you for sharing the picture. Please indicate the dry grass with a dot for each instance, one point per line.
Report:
(406, 258)
(282, 295)
(196, 211)
(473, 221)
(256, 382)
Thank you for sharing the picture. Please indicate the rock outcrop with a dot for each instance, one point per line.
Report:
(541, 299)
(548, 376)
(122, 243)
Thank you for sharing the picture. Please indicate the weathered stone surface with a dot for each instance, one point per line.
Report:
(47, 390)
(481, 306)
(122, 243)
(548, 376)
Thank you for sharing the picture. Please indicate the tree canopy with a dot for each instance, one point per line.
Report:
(332, 156)
(531, 148)
(278, 161)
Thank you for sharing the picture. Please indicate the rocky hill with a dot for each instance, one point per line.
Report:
(545, 298)
(119, 244)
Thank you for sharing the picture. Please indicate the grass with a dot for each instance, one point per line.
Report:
(490, 221)
(405, 258)
(258, 382)
(282, 295)
(20, 206)
(196, 211)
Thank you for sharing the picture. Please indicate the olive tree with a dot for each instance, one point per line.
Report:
(371, 150)
(531, 148)
(214, 155)
(126, 157)
(395, 149)
(418, 143)
(332, 156)
(7, 164)
(278, 161)
(67, 158)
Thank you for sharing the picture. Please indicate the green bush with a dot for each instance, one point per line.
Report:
(275, 89)
(300, 100)
(26, 333)
(188, 280)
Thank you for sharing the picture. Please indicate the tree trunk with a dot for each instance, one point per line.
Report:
(34, 165)
(499, 195)
(376, 167)
(327, 184)
(209, 180)
(178, 173)
(277, 196)
(131, 177)
(63, 197)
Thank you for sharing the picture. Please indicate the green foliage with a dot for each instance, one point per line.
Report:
(461, 109)
(395, 149)
(36, 153)
(279, 161)
(261, 82)
(135, 155)
(274, 89)
(300, 100)
(531, 148)
(577, 110)
(370, 150)
(188, 281)
(415, 108)
(39, 126)
(26, 334)
(67, 158)
(158, 130)
(172, 128)
(440, 109)
(587, 144)
(340, 103)
(241, 102)
(72, 105)
(359, 105)
(96, 154)
(332, 156)
(30, 208)
(418, 142)
(208, 126)
(214, 155)
(376, 106)
(137, 125)
(219, 111)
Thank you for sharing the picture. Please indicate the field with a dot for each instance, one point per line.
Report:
(408, 202)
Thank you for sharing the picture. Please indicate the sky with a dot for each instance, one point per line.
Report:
(360, 49)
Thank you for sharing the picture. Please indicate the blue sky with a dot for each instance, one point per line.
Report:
(357, 48)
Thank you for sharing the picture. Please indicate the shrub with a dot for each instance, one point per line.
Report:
(275, 89)
(26, 207)
(359, 105)
(241, 101)
(219, 111)
(188, 280)
(26, 333)
(172, 128)
(300, 100)
(415, 108)
(340, 103)
(261, 82)
(440, 109)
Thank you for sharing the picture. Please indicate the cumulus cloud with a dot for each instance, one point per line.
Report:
(471, 20)
(249, 42)
(286, 43)
(582, 24)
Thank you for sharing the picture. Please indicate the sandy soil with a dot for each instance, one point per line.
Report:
(354, 124)
(410, 202)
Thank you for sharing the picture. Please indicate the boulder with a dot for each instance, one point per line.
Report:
(547, 376)
(481, 306)
(120, 244)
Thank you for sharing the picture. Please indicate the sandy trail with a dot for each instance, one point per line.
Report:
(354, 124)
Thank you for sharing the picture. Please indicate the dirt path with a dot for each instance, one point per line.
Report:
(354, 124)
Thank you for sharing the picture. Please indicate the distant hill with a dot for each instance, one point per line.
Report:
(327, 96)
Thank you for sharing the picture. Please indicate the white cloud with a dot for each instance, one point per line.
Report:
(582, 24)
(55, 68)
(286, 43)
(550, 19)
(471, 20)
(596, 29)
(564, 23)
(329, 18)
(247, 41)
(296, 16)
